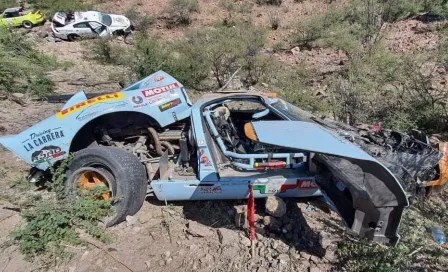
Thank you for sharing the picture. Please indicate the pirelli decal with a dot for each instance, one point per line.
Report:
(169, 105)
(88, 103)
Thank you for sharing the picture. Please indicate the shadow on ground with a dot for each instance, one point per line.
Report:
(294, 228)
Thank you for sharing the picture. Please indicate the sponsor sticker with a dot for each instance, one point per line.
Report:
(306, 184)
(90, 102)
(159, 78)
(158, 98)
(215, 189)
(169, 105)
(39, 138)
(137, 101)
(47, 153)
(159, 90)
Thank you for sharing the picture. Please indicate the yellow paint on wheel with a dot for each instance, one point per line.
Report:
(89, 180)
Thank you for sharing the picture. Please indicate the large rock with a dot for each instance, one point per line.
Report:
(272, 224)
(198, 230)
(227, 237)
(275, 206)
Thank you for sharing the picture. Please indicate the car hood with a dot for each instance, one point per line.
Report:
(364, 192)
(119, 21)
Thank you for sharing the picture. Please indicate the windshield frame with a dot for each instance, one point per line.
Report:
(290, 111)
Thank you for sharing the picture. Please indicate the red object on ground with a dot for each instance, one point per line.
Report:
(251, 213)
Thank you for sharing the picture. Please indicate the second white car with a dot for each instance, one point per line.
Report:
(89, 24)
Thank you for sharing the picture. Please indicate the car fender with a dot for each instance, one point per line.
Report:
(159, 96)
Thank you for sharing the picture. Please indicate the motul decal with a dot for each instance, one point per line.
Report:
(159, 90)
(306, 184)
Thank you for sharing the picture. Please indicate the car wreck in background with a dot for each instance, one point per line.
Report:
(150, 138)
(18, 16)
(89, 24)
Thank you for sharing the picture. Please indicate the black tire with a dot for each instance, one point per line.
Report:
(27, 24)
(127, 176)
(72, 37)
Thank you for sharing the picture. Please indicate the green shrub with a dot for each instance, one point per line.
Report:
(50, 7)
(22, 65)
(107, 52)
(293, 84)
(401, 9)
(4, 4)
(41, 85)
(269, 2)
(274, 20)
(51, 224)
(139, 21)
(149, 56)
(179, 12)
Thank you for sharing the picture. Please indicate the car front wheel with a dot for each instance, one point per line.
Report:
(72, 37)
(118, 170)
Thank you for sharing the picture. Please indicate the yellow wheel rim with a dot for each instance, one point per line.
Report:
(89, 180)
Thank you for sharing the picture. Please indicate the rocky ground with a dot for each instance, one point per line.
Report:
(298, 235)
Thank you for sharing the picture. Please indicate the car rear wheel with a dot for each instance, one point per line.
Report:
(73, 37)
(118, 170)
(27, 24)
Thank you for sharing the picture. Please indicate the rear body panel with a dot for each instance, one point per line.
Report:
(159, 96)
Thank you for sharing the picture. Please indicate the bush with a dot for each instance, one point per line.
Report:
(51, 224)
(293, 84)
(179, 12)
(22, 65)
(41, 85)
(106, 51)
(274, 20)
(149, 56)
(401, 9)
(269, 2)
(4, 4)
(139, 21)
(52, 6)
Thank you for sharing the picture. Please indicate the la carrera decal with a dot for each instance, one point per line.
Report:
(46, 154)
(169, 105)
(90, 102)
(159, 90)
(40, 138)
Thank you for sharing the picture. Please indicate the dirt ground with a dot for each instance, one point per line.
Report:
(185, 236)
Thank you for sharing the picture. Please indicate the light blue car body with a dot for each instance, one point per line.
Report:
(165, 100)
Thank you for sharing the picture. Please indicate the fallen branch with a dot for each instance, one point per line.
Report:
(6, 217)
(96, 244)
(229, 80)
(415, 251)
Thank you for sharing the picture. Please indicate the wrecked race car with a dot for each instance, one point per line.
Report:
(150, 138)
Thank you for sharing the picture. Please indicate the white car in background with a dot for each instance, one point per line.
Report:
(89, 24)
